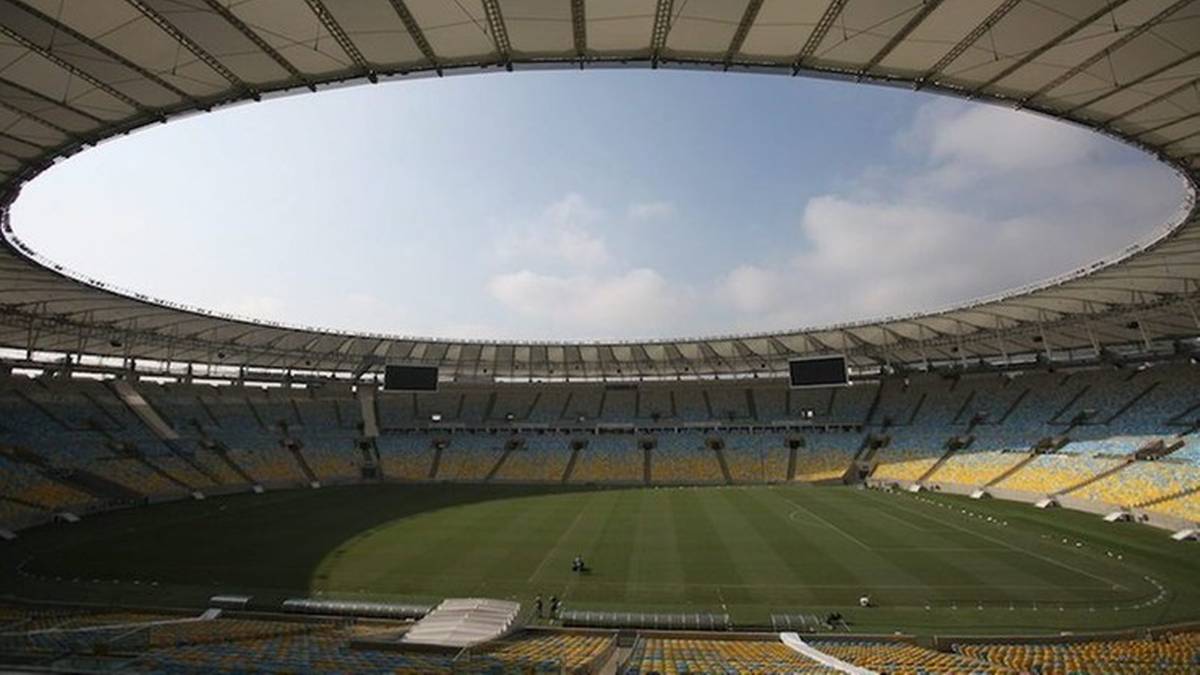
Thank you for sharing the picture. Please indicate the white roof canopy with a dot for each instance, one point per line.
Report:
(74, 72)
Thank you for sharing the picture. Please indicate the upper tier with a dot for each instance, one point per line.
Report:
(79, 73)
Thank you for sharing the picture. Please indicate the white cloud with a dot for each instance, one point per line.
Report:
(256, 307)
(1001, 139)
(630, 303)
(644, 211)
(750, 288)
(1004, 198)
(563, 232)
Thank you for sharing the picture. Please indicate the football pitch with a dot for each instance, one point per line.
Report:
(930, 563)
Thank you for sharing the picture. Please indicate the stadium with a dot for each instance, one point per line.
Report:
(1008, 484)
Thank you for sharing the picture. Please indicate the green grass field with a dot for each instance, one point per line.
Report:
(931, 563)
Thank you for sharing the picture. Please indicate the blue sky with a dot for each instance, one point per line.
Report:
(598, 204)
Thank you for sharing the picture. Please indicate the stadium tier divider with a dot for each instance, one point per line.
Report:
(706, 621)
(376, 610)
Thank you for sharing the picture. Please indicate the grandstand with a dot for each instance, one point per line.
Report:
(154, 454)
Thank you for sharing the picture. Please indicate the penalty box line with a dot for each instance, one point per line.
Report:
(1027, 552)
(826, 522)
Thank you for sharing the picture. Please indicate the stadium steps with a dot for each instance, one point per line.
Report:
(190, 460)
(498, 465)
(143, 409)
(912, 418)
(1013, 406)
(27, 504)
(111, 422)
(97, 486)
(369, 410)
(30, 401)
(1166, 498)
(132, 451)
(647, 465)
(871, 445)
(437, 462)
(951, 447)
(1013, 469)
(720, 453)
(616, 663)
(963, 408)
(566, 408)
(298, 454)
(1131, 402)
(874, 404)
(154, 420)
(1070, 404)
(489, 411)
(38, 464)
(751, 404)
(791, 468)
(571, 465)
(149, 462)
(223, 452)
(254, 412)
(1176, 443)
(528, 412)
(1184, 418)
(1103, 474)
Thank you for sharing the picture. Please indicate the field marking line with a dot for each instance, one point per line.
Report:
(659, 585)
(941, 549)
(1027, 552)
(561, 538)
(814, 515)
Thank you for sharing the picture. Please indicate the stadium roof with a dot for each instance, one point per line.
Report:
(77, 72)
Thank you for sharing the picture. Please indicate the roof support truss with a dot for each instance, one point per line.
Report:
(415, 32)
(232, 19)
(831, 13)
(339, 35)
(195, 49)
(927, 7)
(498, 31)
(1054, 42)
(1120, 42)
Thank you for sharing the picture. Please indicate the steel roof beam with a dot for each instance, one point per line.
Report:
(415, 32)
(38, 149)
(1149, 102)
(969, 39)
(1107, 51)
(196, 50)
(81, 74)
(1054, 42)
(59, 27)
(927, 7)
(1182, 139)
(334, 28)
(1145, 77)
(498, 31)
(579, 27)
(46, 123)
(831, 13)
(38, 96)
(249, 33)
(662, 27)
(743, 29)
(1158, 127)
